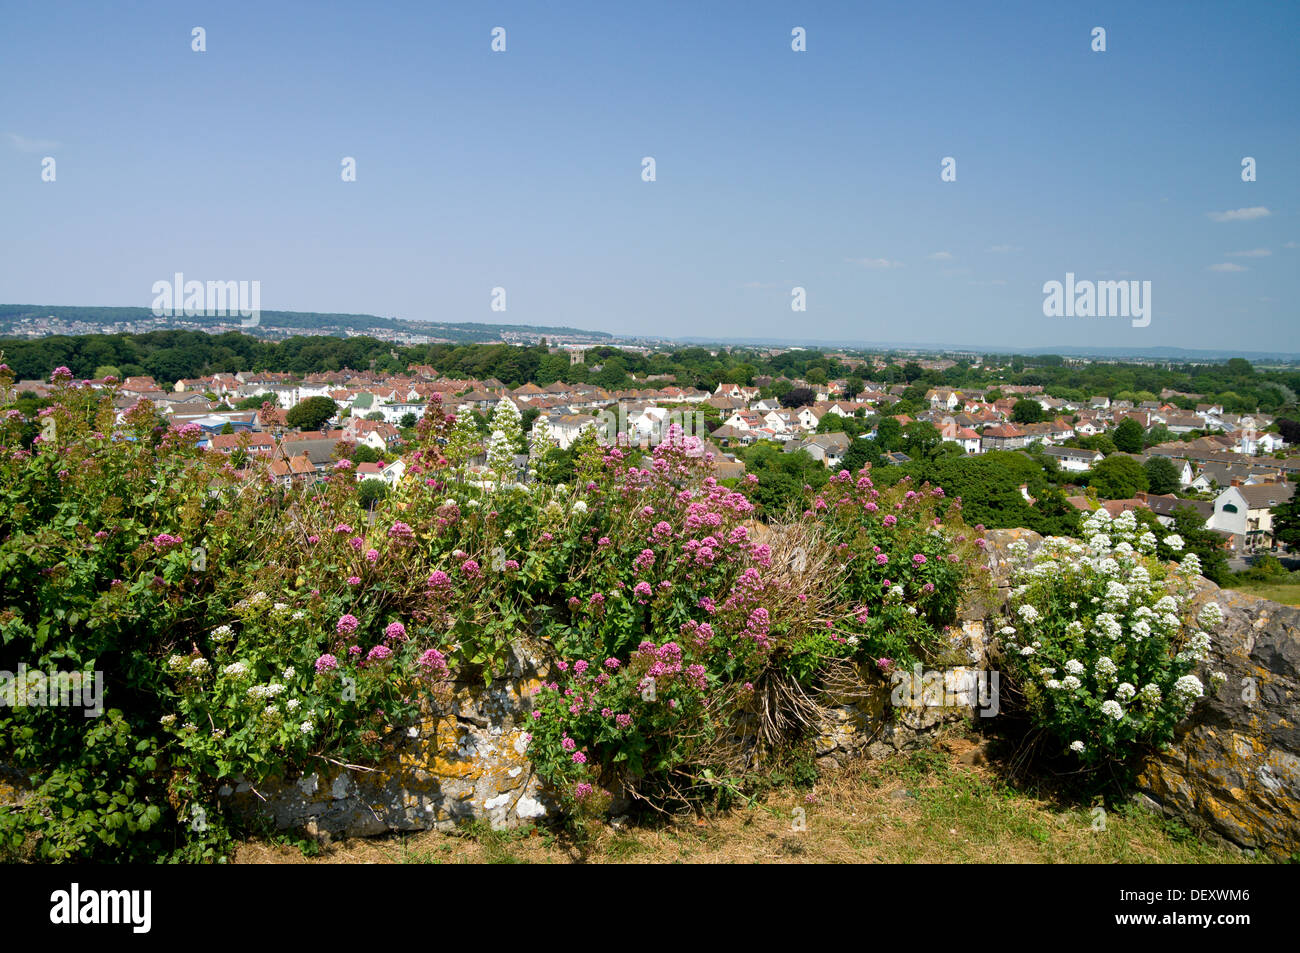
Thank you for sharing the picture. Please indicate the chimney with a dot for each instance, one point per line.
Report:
(1236, 481)
(1141, 495)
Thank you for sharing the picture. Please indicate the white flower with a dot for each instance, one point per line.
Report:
(222, 633)
(1027, 650)
(580, 506)
(1028, 613)
(1007, 630)
(1112, 708)
(1116, 595)
(1174, 542)
(1071, 682)
(235, 670)
(1052, 683)
(1076, 746)
(1187, 689)
(1198, 646)
(177, 662)
(199, 666)
(306, 727)
(1125, 691)
(1210, 615)
(167, 720)
(1074, 667)
(289, 673)
(292, 704)
(1105, 668)
(1150, 694)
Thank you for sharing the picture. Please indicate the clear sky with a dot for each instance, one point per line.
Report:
(774, 168)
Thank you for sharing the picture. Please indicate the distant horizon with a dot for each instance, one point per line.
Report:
(1154, 352)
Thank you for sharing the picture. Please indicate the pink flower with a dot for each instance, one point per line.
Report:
(882, 559)
(567, 743)
(918, 560)
(434, 661)
(372, 556)
(401, 532)
(343, 465)
(579, 758)
(642, 592)
(313, 539)
(326, 663)
(623, 720)
(439, 579)
(379, 653)
(347, 624)
(395, 632)
(354, 580)
(470, 568)
(611, 663)
(343, 528)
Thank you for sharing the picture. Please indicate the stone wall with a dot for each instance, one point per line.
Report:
(1235, 768)
(466, 759)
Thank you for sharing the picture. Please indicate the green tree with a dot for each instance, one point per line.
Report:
(860, 453)
(1286, 522)
(1128, 436)
(1027, 412)
(920, 439)
(1162, 475)
(889, 434)
(1118, 477)
(371, 491)
(312, 413)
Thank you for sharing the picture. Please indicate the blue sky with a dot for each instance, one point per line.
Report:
(775, 169)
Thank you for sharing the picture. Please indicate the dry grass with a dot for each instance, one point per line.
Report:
(943, 806)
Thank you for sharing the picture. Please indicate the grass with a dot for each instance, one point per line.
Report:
(935, 806)
(1287, 593)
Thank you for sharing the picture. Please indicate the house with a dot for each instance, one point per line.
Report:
(565, 428)
(964, 437)
(1002, 437)
(1164, 505)
(942, 398)
(1247, 513)
(262, 444)
(827, 448)
(1073, 460)
(293, 470)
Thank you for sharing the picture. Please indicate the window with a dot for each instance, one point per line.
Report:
(1229, 507)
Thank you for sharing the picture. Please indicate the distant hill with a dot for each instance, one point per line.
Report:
(11, 315)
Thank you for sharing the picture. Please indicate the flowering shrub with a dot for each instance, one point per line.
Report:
(253, 630)
(1101, 639)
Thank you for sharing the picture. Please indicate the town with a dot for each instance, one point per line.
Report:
(1225, 464)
